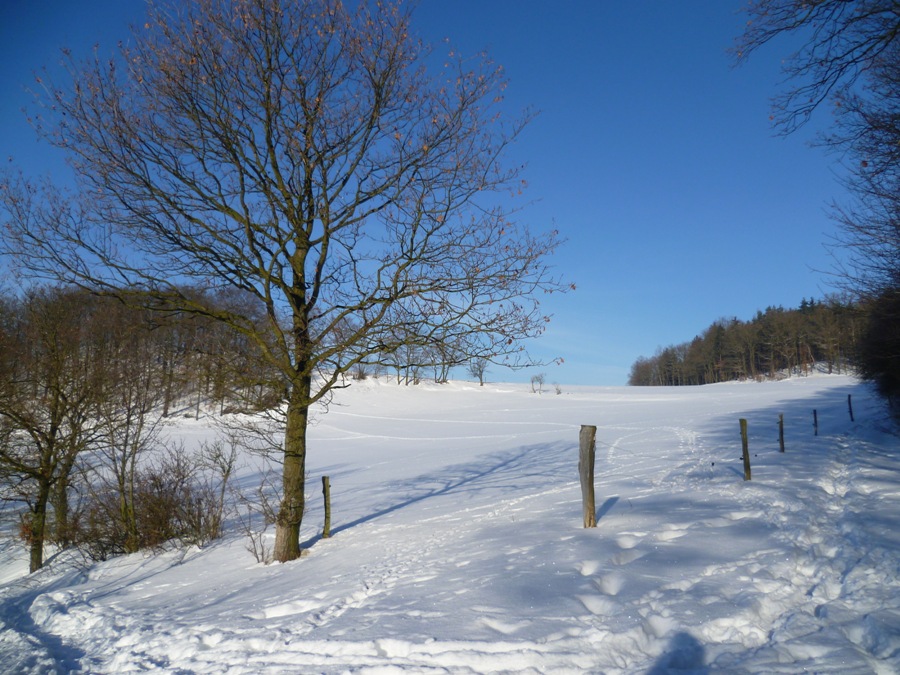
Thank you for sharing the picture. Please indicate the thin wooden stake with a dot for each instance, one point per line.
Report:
(781, 432)
(326, 492)
(745, 445)
(587, 448)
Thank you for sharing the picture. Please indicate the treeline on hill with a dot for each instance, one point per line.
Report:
(775, 341)
(86, 384)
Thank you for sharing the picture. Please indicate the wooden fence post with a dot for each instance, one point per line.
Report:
(781, 432)
(745, 445)
(326, 492)
(587, 449)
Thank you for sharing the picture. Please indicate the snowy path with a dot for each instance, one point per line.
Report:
(457, 547)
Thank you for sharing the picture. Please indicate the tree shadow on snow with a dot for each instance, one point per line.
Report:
(606, 507)
(722, 433)
(512, 472)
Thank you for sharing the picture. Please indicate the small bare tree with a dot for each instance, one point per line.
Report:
(478, 369)
(130, 418)
(51, 381)
(310, 155)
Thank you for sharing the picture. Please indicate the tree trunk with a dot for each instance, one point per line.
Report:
(61, 532)
(290, 514)
(60, 498)
(38, 527)
(167, 384)
(127, 514)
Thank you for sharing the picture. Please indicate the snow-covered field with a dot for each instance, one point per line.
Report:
(458, 546)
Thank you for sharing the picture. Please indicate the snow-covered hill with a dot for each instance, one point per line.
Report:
(458, 546)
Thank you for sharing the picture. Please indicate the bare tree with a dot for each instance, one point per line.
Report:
(840, 41)
(849, 54)
(312, 155)
(49, 390)
(478, 368)
(129, 421)
(444, 356)
(868, 128)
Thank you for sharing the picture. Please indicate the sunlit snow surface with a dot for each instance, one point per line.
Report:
(458, 545)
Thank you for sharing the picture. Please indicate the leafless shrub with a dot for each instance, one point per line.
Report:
(178, 497)
(258, 512)
(257, 545)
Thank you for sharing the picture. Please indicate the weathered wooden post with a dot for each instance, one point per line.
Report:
(815, 423)
(587, 450)
(850, 407)
(326, 492)
(781, 432)
(745, 445)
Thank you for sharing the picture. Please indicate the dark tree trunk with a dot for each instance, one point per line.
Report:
(38, 527)
(60, 499)
(290, 514)
(61, 527)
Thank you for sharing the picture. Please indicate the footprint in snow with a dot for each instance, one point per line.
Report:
(628, 540)
(672, 532)
(625, 557)
(287, 609)
(599, 605)
(588, 567)
(503, 627)
(611, 583)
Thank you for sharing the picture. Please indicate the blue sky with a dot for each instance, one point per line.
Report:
(652, 154)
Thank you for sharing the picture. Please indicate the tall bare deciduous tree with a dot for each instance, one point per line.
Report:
(315, 156)
(849, 56)
(840, 41)
(870, 228)
(869, 128)
(129, 417)
(51, 379)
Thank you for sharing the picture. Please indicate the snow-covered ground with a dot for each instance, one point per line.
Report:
(458, 546)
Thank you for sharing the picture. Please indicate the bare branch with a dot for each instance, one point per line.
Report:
(840, 41)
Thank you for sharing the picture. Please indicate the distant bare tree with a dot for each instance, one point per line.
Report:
(478, 369)
(129, 420)
(312, 156)
(52, 379)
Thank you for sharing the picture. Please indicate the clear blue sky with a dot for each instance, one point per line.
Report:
(652, 154)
